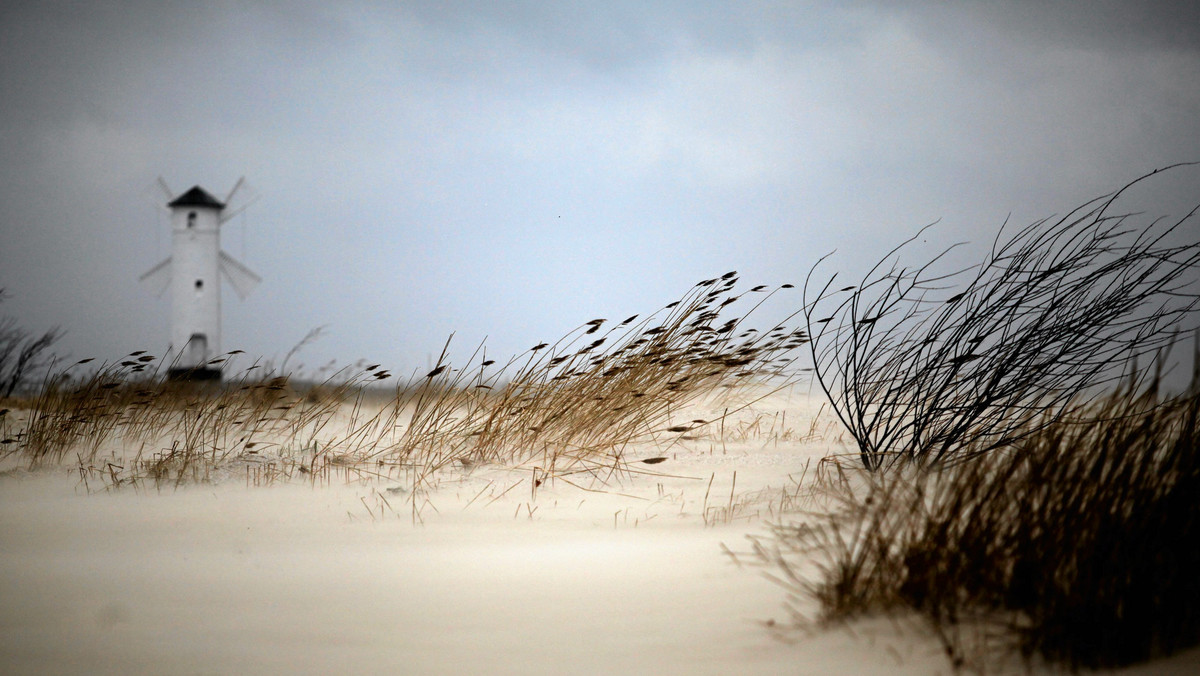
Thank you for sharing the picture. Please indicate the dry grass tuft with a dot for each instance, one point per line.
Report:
(568, 408)
(1001, 494)
(921, 363)
(1079, 544)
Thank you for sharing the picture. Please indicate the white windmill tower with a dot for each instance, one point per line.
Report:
(193, 272)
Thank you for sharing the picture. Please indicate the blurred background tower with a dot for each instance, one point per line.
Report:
(193, 273)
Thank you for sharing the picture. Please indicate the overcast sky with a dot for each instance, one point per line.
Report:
(514, 169)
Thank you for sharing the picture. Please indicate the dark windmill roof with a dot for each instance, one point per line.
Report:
(196, 197)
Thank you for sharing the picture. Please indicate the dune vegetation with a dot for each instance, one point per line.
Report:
(572, 407)
(1021, 483)
(1014, 477)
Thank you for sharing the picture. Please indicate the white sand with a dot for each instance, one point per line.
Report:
(298, 579)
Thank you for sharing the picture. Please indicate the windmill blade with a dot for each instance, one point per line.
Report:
(226, 216)
(240, 277)
(166, 189)
(153, 194)
(248, 197)
(234, 189)
(158, 278)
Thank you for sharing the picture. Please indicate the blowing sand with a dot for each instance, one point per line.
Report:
(492, 575)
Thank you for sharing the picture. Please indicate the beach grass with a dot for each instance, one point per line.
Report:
(569, 409)
(1015, 478)
(927, 362)
(1078, 545)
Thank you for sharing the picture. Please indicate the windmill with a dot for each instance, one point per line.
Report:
(193, 273)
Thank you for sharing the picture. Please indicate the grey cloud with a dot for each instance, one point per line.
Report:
(494, 168)
(1105, 25)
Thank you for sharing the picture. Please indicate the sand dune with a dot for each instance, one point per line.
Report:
(629, 575)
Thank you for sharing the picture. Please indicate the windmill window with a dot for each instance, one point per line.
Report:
(199, 284)
(191, 222)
